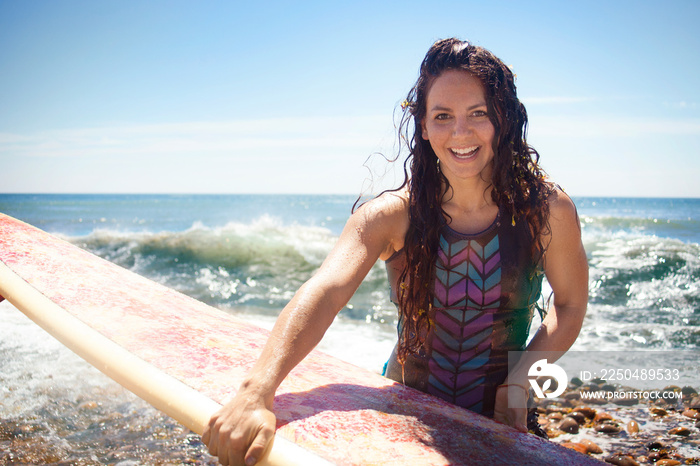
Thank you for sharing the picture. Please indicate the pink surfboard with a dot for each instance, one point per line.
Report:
(186, 358)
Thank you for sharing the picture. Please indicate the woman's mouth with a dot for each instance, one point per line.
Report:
(464, 152)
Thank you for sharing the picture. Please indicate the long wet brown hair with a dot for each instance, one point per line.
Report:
(518, 182)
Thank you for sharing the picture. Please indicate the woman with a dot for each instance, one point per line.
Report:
(466, 240)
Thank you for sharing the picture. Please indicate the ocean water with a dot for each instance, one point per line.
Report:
(247, 255)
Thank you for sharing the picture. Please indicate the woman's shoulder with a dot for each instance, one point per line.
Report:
(561, 206)
(386, 215)
(563, 216)
(386, 206)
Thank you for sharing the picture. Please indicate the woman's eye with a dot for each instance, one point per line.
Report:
(442, 116)
(479, 113)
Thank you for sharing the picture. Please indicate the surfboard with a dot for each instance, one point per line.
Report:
(186, 358)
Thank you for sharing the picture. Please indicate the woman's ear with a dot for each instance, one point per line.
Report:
(424, 130)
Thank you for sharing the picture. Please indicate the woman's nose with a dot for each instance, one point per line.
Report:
(462, 127)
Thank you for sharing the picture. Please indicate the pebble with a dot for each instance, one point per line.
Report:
(576, 382)
(692, 413)
(666, 401)
(88, 405)
(633, 427)
(608, 428)
(575, 446)
(631, 401)
(655, 446)
(621, 460)
(694, 403)
(682, 431)
(578, 416)
(586, 411)
(688, 391)
(554, 432)
(569, 425)
(601, 417)
(660, 412)
(557, 409)
(668, 462)
(591, 447)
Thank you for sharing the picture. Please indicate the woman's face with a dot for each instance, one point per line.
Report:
(458, 127)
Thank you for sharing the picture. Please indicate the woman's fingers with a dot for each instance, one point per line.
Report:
(511, 407)
(238, 435)
(261, 442)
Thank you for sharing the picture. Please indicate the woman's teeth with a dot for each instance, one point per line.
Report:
(465, 153)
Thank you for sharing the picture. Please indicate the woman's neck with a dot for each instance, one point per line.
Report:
(468, 197)
(469, 209)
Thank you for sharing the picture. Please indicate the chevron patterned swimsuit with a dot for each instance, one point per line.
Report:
(486, 289)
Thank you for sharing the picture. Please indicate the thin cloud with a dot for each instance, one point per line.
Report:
(600, 126)
(223, 137)
(681, 105)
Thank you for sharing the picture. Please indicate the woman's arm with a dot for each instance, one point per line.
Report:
(566, 268)
(242, 429)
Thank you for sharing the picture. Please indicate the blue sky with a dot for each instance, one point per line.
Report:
(293, 97)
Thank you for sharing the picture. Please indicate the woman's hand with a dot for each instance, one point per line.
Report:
(511, 406)
(240, 431)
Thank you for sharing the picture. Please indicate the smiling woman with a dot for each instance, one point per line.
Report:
(466, 238)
